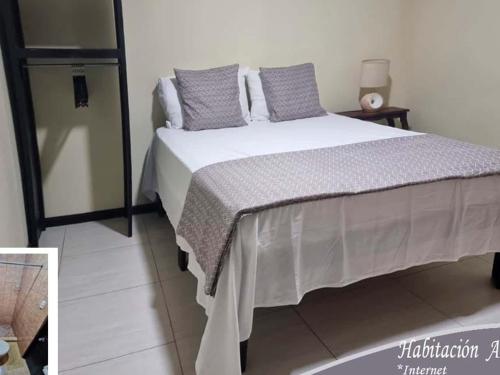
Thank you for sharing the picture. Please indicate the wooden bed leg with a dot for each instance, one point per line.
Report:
(495, 276)
(182, 259)
(243, 355)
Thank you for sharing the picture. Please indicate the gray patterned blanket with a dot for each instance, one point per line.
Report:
(219, 194)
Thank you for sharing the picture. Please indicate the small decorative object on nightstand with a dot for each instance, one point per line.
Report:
(389, 114)
(374, 74)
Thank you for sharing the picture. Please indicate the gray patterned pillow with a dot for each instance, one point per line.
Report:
(291, 93)
(210, 98)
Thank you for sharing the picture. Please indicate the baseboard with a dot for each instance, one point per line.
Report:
(98, 215)
(144, 208)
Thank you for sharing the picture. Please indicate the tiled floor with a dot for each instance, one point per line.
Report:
(125, 308)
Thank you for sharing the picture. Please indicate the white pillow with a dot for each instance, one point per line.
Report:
(258, 110)
(171, 102)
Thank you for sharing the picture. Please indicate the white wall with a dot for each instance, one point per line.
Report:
(81, 149)
(12, 219)
(453, 64)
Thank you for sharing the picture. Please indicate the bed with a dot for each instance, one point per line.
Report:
(279, 254)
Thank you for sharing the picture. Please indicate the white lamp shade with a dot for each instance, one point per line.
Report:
(374, 73)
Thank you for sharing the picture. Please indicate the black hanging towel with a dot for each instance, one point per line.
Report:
(80, 87)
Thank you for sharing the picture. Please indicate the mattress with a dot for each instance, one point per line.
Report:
(181, 153)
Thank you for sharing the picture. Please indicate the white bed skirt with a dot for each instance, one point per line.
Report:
(279, 255)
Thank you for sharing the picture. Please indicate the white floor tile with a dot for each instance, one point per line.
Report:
(52, 237)
(371, 316)
(161, 360)
(326, 293)
(489, 258)
(188, 350)
(165, 256)
(188, 318)
(106, 271)
(162, 239)
(157, 227)
(133, 324)
(461, 290)
(282, 344)
(417, 269)
(101, 235)
(110, 325)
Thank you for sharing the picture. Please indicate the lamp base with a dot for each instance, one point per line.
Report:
(372, 102)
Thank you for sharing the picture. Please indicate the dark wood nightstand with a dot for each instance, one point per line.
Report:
(389, 114)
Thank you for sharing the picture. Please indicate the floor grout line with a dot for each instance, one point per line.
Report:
(157, 281)
(62, 252)
(420, 271)
(147, 244)
(432, 306)
(108, 292)
(487, 261)
(141, 228)
(164, 297)
(427, 303)
(105, 249)
(117, 357)
(312, 331)
(399, 285)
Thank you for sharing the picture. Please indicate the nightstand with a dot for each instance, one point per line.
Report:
(389, 114)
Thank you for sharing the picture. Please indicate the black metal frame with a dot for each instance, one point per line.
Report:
(98, 215)
(243, 355)
(15, 57)
(495, 274)
(122, 71)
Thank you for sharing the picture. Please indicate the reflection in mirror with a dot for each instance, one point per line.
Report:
(18, 274)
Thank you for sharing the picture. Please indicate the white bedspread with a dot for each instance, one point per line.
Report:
(280, 254)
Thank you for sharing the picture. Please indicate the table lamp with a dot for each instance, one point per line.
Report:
(374, 74)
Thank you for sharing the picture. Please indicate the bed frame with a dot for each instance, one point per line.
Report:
(183, 259)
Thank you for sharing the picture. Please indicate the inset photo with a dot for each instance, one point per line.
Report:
(24, 317)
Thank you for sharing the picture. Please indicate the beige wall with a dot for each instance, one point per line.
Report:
(81, 148)
(453, 65)
(12, 219)
(444, 67)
